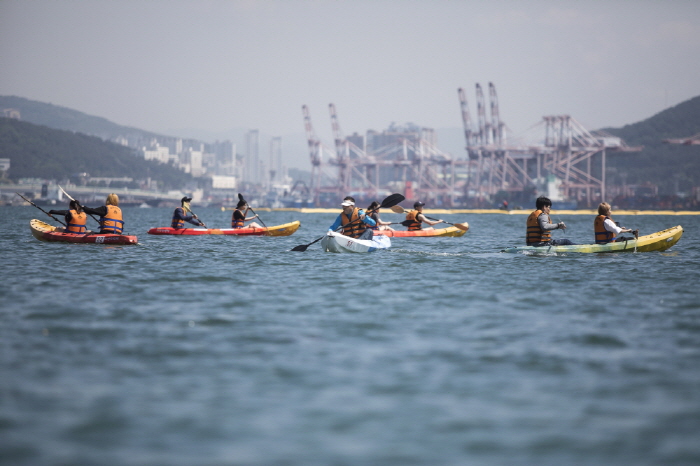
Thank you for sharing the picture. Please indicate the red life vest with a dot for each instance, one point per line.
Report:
(112, 222)
(357, 228)
(602, 235)
(77, 222)
(415, 224)
(534, 233)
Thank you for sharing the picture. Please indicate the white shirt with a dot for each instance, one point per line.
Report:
(610, 226)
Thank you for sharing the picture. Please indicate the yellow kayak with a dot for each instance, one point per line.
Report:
(659, 241)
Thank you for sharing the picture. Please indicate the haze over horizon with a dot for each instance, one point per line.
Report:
(212, 66)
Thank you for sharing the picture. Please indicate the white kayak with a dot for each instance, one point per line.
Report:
(335, 242)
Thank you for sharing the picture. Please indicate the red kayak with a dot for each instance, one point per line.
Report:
(277, 230)
(45, 232)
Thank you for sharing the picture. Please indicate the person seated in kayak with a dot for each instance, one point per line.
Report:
(373, 213)
(76, 218)
(415, 218)
(183, 214)
(238, 218)
(606, 230)
(353, 220)
(111, 220)
(539, 226)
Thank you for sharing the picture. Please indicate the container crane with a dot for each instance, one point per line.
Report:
(316, 149)
(496, 124)
(467, 123)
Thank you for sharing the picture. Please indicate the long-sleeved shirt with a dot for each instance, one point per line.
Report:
(66, 214)
(180, 215)
(543, 220)
(610, 226)
(339, 221)
(101, 211)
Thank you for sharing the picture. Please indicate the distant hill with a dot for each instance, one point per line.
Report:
(64, 118)
(672, 167)
(40, 152)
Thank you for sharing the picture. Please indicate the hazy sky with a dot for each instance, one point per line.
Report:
(217, 65)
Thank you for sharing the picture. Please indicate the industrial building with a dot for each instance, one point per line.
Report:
(566, 161)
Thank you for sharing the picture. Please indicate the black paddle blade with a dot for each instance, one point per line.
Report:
(301, 247)
(392, 200)
(240, 197)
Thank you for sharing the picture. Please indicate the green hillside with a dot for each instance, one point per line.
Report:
(40, 152)
(672, 167)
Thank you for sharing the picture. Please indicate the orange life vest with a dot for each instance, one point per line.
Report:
(534, 233)
(602, 235)
(357, 228)
(177, 222)
(237, 223)
(415, 224)
(112, 222)
(77, 222)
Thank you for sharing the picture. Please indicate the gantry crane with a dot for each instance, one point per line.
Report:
(317, 149)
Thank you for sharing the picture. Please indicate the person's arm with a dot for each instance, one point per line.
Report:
(421, 218)
(610, 226)
(366, 218)
(101, 211)
(336, 224)
(543, 220)
(66, 214)
(193, 221)
(249, 218)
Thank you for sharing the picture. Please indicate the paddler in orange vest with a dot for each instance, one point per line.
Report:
(183, 214)
(238, 218)
(111, 220)
(539, 226)
(415, 218)
(353, 221)
(76, 218)
(605, 229)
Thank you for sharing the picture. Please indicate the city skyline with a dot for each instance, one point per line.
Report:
(215, 66)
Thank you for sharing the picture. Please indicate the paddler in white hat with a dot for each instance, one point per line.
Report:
(353, 221)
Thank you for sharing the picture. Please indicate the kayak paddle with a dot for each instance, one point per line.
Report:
(240, 198)
(187, 209)
(390, 201)
(41, 209)
(68, 196)
(400, 210)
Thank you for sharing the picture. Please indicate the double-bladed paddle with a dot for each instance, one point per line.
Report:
(240, 198)
(41, 209)
(400, 210)
(389, 201)
(69, 197)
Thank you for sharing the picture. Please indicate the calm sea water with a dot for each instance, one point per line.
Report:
(236, 351)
